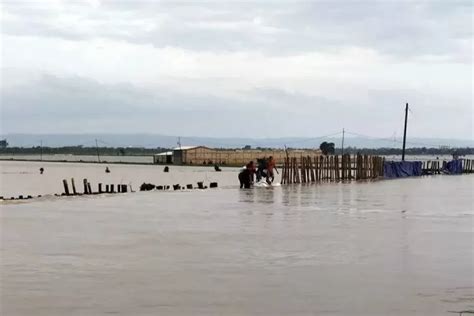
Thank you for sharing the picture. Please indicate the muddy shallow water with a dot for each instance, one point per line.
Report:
(398, 247)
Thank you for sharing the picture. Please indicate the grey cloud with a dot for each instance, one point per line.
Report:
(76, 104)
(402, 28)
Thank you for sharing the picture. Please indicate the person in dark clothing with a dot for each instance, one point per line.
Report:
(261, 169)
(246, 175)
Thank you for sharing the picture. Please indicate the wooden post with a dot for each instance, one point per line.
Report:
(293, 169)
(328, 168)
(283, 170)
(359, 167)
(316, 168)
(306, 168)
(66, 188)
(367, 168)
(290, 170)
(325, 167)
(107, 188)
(343, 167)
(89, 190)
(124, 188)
(310, 161)
(321, 168)
(303, 173)
(100, 187)
(84, 181)
(333, 168)
(119, 188)
(73, 186)
(112, 188)
(298, 179)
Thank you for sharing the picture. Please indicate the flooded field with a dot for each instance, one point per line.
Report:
(19, 177)
(149, 159)
(81, 158)
(398, 247)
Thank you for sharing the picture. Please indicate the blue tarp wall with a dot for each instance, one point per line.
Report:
(453, 167)
(401, 169)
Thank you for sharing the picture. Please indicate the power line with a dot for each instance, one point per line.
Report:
(394, 140)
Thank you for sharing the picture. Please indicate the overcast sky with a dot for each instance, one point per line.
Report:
(260, 69)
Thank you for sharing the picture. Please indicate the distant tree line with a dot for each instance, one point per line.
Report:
(326, 148)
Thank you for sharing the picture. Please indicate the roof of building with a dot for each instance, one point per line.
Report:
(188, 147)
(167, 153)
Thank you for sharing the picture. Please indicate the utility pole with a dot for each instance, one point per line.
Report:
(405, 132)
(342, 144)
(41, 150)
(97, 147)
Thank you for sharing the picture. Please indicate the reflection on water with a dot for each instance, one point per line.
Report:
(398, 247)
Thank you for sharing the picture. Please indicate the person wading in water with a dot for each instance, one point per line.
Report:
(246, 175)
(271, 166)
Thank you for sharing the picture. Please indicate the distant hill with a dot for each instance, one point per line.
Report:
(156, 140)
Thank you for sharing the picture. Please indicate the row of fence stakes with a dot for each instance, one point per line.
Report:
(331, 168)
(109, 188)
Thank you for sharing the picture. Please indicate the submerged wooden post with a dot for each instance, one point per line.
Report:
(84, 181)
(66, 188)
(73, 186)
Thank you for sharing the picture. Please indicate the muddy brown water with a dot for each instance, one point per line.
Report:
(395, 247)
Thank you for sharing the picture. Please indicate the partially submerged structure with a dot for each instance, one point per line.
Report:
(202, 155)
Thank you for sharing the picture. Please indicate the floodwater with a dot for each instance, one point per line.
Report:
(394, 247)
(149, 159)
(81, 158)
